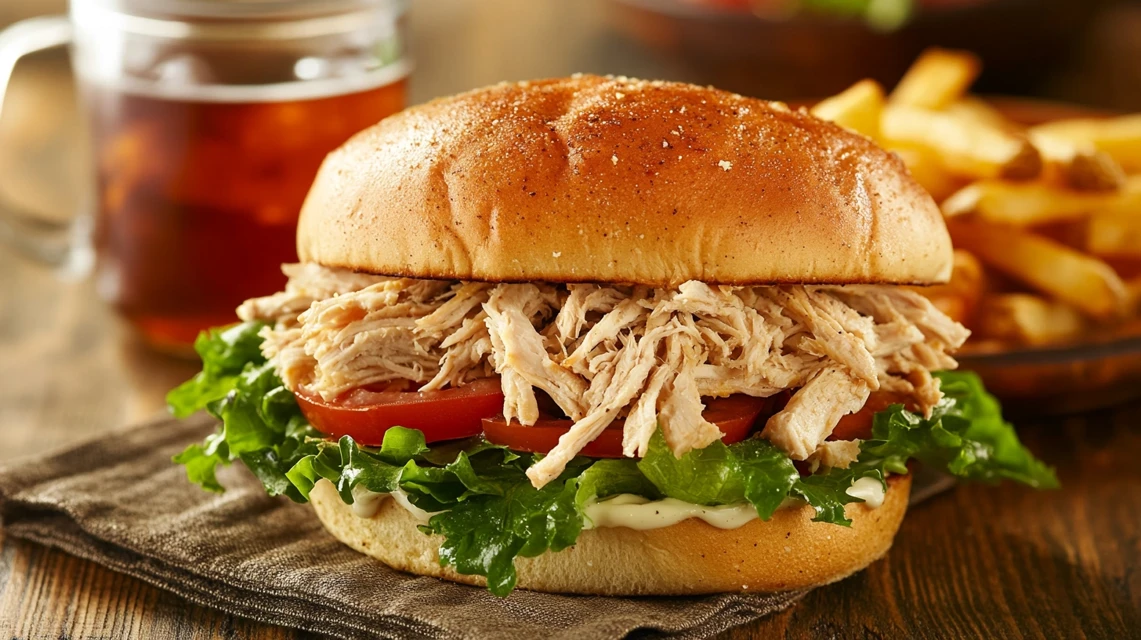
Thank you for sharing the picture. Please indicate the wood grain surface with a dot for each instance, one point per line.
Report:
(985, 562)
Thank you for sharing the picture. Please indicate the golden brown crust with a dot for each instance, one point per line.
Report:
(616, 180)
(691, 557)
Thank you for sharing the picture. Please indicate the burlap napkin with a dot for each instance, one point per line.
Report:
(118, 501)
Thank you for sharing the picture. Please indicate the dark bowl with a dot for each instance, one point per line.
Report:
(1020, 41)
(1065, 379)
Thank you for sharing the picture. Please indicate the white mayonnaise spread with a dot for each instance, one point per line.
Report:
(869, 490)
(366, 503)
(634, 512)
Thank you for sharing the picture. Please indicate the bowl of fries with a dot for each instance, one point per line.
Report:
(1043, 202)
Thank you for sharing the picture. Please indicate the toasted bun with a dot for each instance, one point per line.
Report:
(615, 180)
(788, 551)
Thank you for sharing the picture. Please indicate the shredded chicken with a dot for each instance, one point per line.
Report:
(814, 410)
(838, 454)
(603, 352)
(521, 357)
(307, 284)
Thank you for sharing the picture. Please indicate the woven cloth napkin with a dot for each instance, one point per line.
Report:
(119, 501)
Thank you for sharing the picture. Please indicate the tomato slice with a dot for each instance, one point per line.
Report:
(858, 425)
(735, 416)
(477, 407)
(442, 415)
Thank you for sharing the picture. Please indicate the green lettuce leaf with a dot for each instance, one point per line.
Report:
(484, 506)
(607, 478)
(965, 437)
(485, 533)
(483, 503)
(753, 471)
(261, 424)
(225, 352)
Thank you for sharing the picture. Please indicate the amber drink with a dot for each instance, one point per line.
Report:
(198, 200)
(209, 122)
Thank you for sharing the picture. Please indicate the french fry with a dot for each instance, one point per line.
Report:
(1083, 281)
(1111, 234)
(1114, 231)
(966, 147)
(929, 172)
(1071, 233)
(1076, 183)
(959, 297)
(1093, 171)
(1022, 203)
(857, 108)
(1027, 203)
(1028, 319)
(964, 201)
(1119, 137)
(1127, 200)
(1128, 267)
(936, 79)
(972, 108)
(1077, 165)
(1133, 287)
(1057, 149)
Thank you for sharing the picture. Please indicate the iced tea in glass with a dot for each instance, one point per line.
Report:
(210, 121)
(198, 200)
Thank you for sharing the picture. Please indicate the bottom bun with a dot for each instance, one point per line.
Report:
(789, 551)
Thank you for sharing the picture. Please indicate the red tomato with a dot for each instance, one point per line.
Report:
(735, 416)
(858, 425)
(442, 415)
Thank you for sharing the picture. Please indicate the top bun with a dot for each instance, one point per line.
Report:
(591, 179)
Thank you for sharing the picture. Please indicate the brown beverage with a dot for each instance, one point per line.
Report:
(198, 200)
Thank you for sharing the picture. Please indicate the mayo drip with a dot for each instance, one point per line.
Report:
(635, 512)
(869, 490)
(366, 503)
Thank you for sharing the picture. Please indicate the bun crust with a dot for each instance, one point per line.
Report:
(787, 552)
(615, 180)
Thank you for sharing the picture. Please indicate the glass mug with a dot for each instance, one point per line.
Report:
(210, 119)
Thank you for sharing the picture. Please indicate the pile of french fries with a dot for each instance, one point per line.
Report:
(1045, 219)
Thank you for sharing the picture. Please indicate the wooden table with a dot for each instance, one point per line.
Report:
(975, 562)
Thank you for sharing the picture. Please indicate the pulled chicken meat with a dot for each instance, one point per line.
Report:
(607, 351)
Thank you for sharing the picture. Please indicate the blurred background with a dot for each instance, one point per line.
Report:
(1080, 51)
(1077, 50)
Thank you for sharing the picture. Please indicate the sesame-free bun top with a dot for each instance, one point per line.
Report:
(618, 180)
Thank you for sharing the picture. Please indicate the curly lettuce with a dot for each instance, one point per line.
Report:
(485, 508)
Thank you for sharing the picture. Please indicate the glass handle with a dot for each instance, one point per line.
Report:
(53, 243)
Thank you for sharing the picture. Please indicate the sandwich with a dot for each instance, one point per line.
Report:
(599, 335)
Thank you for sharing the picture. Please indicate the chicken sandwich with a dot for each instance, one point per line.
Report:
(606, 336)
